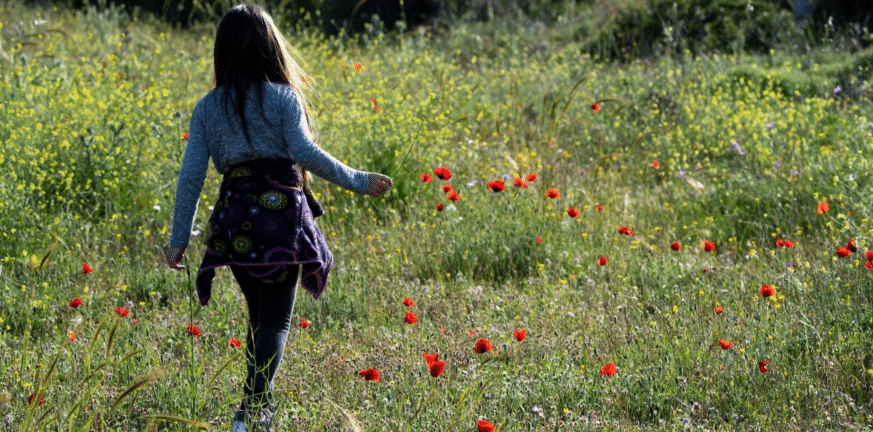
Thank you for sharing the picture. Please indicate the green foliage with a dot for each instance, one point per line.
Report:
(827, 74)
(693, 26)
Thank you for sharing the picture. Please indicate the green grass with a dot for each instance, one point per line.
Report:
(94, 108)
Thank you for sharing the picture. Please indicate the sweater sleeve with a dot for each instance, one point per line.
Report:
(191, 177)
(312, 157)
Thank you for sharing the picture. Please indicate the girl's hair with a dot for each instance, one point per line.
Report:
(250, 49)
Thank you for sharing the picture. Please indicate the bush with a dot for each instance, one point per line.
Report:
(695, 26)
(829, 74)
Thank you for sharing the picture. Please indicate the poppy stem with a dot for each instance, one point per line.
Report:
(414, 142)
(190, 321)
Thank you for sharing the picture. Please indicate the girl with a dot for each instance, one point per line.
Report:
(255, 126)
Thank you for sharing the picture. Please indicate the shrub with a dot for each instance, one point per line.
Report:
(695, 26)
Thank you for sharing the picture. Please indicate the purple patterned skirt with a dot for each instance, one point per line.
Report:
(262, 221)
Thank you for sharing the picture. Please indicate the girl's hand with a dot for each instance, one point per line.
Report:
(378, 184)
(174, 257)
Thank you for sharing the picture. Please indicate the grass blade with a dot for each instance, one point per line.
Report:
(142, 382)
(176, 419)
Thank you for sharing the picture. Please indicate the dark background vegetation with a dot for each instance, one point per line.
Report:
(613, 30)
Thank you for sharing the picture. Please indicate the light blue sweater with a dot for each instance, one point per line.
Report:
(278, 131)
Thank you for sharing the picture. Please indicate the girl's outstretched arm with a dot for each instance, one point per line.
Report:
(317, 161)
(190, 184)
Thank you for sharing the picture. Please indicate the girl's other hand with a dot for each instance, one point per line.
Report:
(174, 257)
(378, 184)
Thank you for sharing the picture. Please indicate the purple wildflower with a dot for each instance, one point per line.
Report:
(736, 147)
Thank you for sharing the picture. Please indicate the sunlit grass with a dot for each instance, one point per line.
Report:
(91, 139)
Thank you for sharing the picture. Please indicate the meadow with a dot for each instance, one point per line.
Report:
(683, 239)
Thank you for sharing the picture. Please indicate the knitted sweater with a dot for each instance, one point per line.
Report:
(277, 131)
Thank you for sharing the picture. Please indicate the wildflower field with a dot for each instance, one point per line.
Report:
(665, 244)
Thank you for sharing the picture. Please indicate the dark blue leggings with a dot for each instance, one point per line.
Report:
(270, 297)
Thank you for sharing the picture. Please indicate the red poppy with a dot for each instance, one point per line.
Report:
(553, 193)
(485, 426)
(843, 252)
(121, 311)
(868, 264)
(408, 302)
(370, 374)
(675, 246)
(86, 269)
(602, 260)
(436, 368)
(719, 310)
(656, 164)
(425, 178)
(442, 173)
(789, 243)
(850, 245)
(869, 255)
(609, 369)
(517, 182)
(706, 270)
(447, 188)
(430, 358)
(595, 107)
(573, 212)
(708, 246)
(539, 240)
(453, 196)
(767, 291)
(482, 346)
(359, 67)
(303, 323)
(234, 342)
(725, 344)
(72, 336)
(780, 243)
(33, 397)
(762, 366)
(531, 177)
(823, 207)
(519, 334)
(193, 330)
(439, 206)
(496, 185)
(626, 231)
(76, 302)
(599, 208)
(410, 318)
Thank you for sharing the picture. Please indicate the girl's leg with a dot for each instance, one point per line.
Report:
(270, 302)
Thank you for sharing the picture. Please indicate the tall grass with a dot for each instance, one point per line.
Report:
(94, 110)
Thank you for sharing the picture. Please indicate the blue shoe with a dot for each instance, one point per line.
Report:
(238, 426)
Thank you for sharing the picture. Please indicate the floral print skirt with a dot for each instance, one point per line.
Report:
(262, 221)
